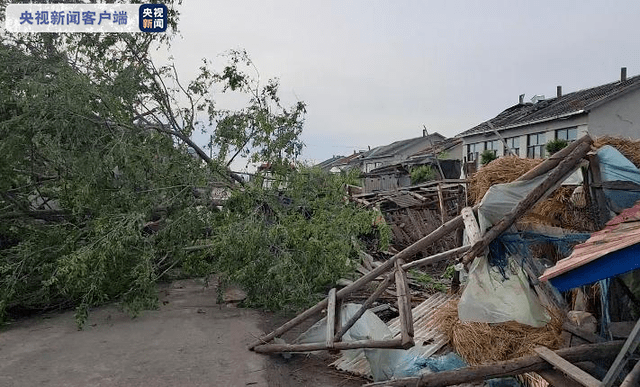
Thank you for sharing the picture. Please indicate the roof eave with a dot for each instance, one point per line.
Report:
(546, 119)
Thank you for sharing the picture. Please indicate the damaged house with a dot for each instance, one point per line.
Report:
(525, 128)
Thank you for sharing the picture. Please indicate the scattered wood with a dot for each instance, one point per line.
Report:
(628, 348)
(275, 348)
(511, 367)
(331, 317)
(374, 296)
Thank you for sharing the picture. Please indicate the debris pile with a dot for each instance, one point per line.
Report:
(530, 217)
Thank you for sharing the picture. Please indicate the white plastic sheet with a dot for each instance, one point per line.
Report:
(385, 364)
(489, 296)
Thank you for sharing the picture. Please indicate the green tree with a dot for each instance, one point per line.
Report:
(553, 146)
(487, 156)
(422, 173)
(98, 192)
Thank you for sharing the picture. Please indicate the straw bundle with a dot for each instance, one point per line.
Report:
(560, 210)
(480, 343)
(629, 148)
(503, 170)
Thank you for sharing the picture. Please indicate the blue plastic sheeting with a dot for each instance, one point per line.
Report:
(615, 263)
(504, 382)
(615, 167)
(509, 244)
(450, 361)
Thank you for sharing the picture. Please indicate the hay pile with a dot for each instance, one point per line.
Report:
(503, 170)
(481, 343)
(557, 210)
(629, 148)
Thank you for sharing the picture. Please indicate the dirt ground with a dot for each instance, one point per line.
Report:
(189, 341)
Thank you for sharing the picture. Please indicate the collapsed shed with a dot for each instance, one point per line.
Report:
(542, 181)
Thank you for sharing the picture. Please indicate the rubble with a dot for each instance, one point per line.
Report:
(541, 223)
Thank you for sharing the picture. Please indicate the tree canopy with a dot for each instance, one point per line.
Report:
(100, 195)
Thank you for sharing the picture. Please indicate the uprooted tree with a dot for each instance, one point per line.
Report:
(99, 196)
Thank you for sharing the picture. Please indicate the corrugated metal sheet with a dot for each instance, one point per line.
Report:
(620, 232)
(404, 200)
(424, 332)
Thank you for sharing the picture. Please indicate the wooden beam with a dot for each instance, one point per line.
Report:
(331, 317)
(572, 371)
(406, 254)
(555, 177)
(557, 378)
(436, 257)
(517, 366)
(374, 296)
(273, 348)
(404, 306)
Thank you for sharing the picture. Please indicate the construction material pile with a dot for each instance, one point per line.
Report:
(481, 343)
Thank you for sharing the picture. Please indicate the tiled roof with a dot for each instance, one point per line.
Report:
(399, 146)
(571, 103)
(620, 232)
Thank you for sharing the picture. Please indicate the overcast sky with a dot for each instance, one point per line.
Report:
(373, 72)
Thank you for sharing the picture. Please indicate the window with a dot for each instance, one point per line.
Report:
(491, 145)
(473, 150)
(514, 144)
(569, 134)
(535, 145)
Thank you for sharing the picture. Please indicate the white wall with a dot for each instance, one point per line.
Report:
(620, 117)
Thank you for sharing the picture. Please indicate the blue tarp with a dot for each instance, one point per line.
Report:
(615, 167)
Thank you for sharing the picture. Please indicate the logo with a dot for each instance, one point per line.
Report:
(153, 18)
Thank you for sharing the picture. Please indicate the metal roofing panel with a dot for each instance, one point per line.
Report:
(424, 331)
(620, 232)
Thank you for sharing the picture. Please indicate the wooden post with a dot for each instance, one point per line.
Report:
(331, 317)
(598, 192)
(441, 203)
(407, 254)
(555, 177)
(517, 366)
(374, 296)
(404, 307)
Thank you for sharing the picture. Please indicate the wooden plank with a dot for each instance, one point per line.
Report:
(331, 317)
(404, 306)
(521, 365)
(471, 225)
(557, 378)
(555, 178)
(572, 371)
(629, 347)
(406, 254)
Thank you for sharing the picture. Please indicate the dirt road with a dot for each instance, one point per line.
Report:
(189, 341)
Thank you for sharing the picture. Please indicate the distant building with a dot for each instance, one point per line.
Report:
(610, 109)
(394, 153)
